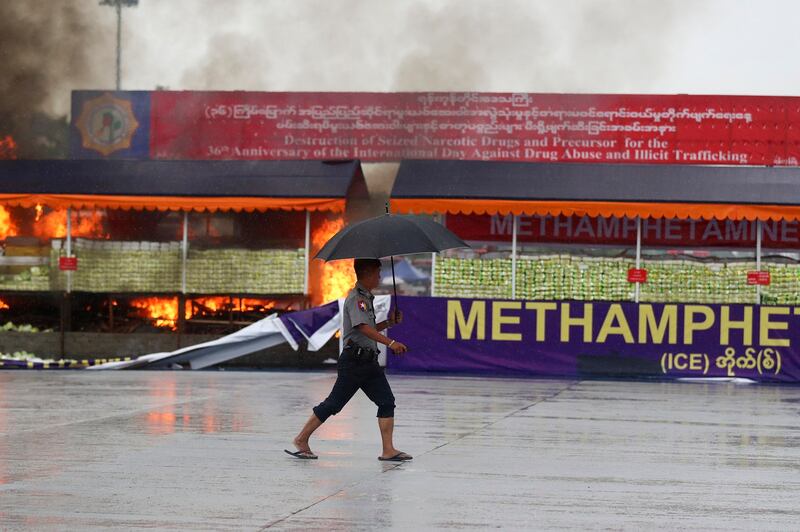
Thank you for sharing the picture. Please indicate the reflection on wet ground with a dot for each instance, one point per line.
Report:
(204, 450)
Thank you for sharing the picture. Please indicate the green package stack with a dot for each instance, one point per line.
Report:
(107, 266)
(560, 277)
(246, 271)
(489, 278)
(687, 281)
(572, 277)
(784, 288)
(153, 267)
(34, 279)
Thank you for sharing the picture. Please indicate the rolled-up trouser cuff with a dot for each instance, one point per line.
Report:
(386, 411)
(323, 412)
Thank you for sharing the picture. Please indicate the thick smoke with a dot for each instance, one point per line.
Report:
(524, 46)
(48, 48)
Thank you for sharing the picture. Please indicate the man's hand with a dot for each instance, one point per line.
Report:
(398, 348)
(395, 318)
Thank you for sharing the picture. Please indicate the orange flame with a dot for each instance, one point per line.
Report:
(162, 310)
(333, 279)
(84, 224)
(8, 148)
(7, 226)
(235, 304)
(4, 305)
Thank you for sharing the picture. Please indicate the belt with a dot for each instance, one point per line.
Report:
(362, 354)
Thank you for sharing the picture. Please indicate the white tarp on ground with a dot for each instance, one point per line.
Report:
(293, 328)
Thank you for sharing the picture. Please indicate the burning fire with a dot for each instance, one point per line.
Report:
(4, 305)
(7, 226)
(8, 148)
(85, 224)
(162, 310)
(333, 279)
(215, 304)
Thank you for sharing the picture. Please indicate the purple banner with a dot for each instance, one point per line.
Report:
(599, 339)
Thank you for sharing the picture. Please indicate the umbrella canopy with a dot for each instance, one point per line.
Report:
(389, 235)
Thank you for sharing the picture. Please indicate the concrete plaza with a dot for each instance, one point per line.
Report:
(204, 451)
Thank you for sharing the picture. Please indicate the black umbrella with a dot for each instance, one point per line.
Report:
(387, 236)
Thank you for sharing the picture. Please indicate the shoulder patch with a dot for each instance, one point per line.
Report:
(362, 305)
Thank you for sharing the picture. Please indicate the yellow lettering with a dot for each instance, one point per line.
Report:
(746, 325)
(568, 321)
(498, 320)
(696, 361)
(690, 325)
(766, 326)
(466, 326)
(540, 309)
(647, 322)
(615, 323)
(678, 363)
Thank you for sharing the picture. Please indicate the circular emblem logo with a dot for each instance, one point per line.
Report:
(107, 124)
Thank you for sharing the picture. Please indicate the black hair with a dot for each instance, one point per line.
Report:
(362, 266)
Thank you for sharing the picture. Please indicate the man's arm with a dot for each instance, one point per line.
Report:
(395, 318)
(373, 334)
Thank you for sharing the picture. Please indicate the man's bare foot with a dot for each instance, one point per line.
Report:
(302, 446)
(395, 456)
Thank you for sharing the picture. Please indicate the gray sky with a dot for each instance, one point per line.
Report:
(644, 46)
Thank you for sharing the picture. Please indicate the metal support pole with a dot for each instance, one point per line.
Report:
(308, 253)
(119, 42)
(65, 309)
(514, 257)
(758, 259)
(181, 319)
(110, 314)
(433, 274)
(69, 247)
(638, 254)
(433, 263)
(184, 250)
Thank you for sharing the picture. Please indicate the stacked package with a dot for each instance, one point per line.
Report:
(153, 267)
(560, 277)
(489, 278)
(572, 277)
(246, 271)
(110, 266)
(35, 279)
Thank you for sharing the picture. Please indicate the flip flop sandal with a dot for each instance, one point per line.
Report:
(302, 455)
(399, 457)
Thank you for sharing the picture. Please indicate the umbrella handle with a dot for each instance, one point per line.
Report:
(394, 285)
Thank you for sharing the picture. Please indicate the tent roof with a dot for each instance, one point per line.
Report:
(684, 191)
(181, 185)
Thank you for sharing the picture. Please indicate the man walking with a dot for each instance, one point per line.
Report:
(358, 366)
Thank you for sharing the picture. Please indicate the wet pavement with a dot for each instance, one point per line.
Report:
(204, 451)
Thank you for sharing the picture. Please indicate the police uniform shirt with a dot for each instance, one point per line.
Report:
(358, 310)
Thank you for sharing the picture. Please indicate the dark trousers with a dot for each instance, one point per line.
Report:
(353, 375)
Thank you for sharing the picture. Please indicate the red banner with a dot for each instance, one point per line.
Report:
(608, 128)
(68, 264)
(758, 278)
(637, 275)
(622, 231)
